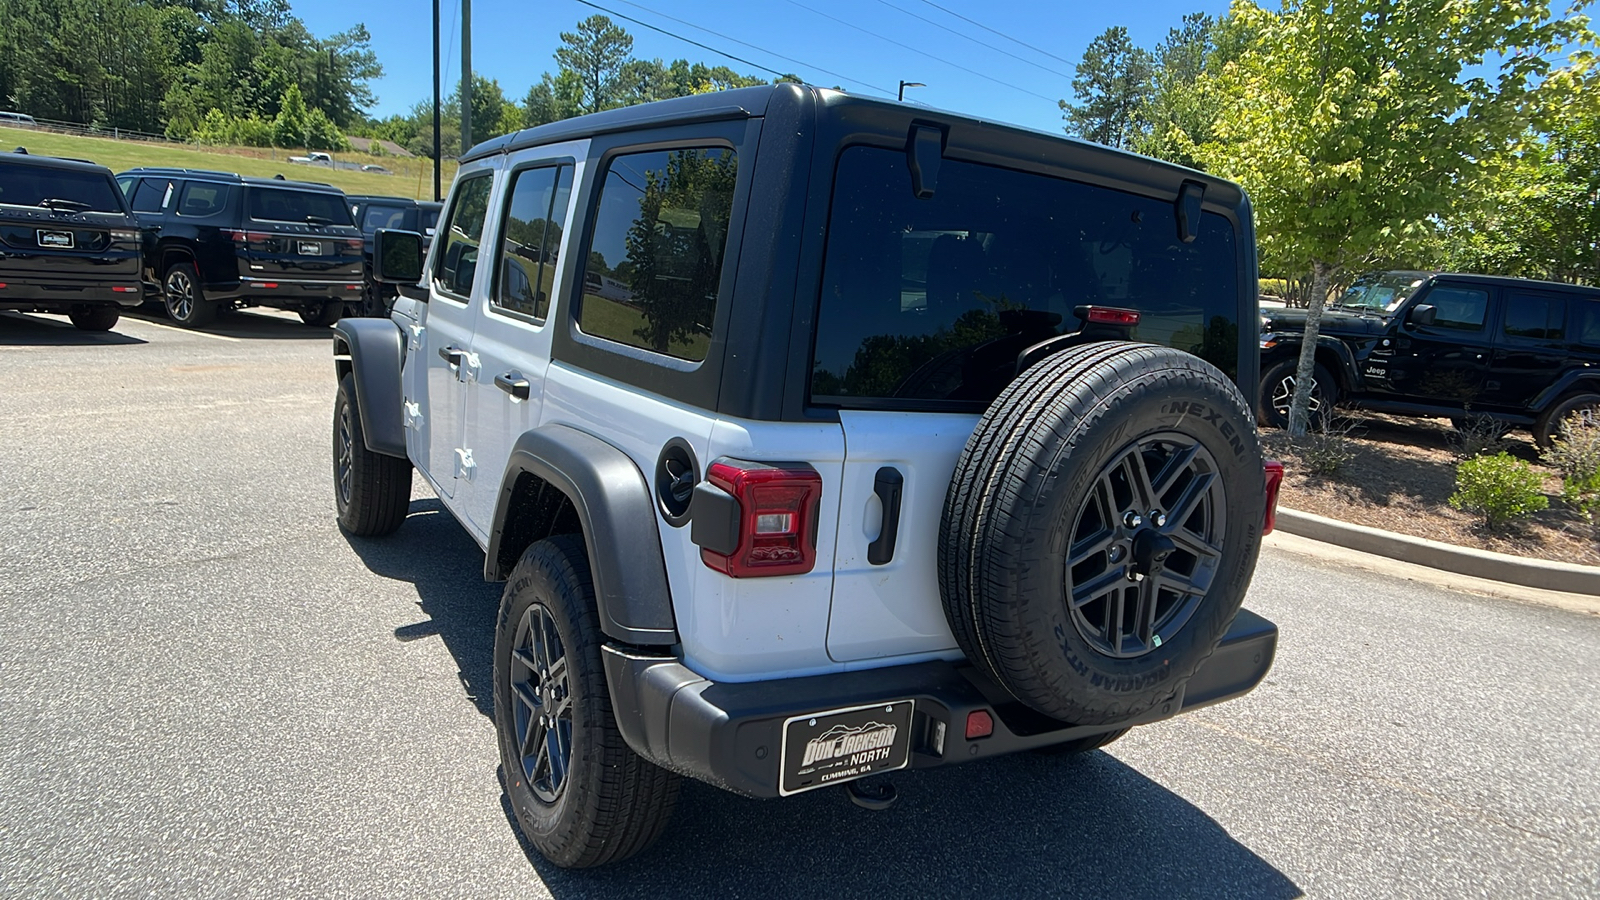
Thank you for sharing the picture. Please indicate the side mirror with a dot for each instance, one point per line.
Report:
(396, 256)
(1422, 314)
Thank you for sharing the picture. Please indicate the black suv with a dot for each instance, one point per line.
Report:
(218, 239)
(370, 214)
(67, 242)
(1444, 345)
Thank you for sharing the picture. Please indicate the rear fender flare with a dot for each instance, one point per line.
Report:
(617, 511)
(375, 349)
(1569, 382)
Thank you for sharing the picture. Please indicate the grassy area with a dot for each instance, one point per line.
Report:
(610, 319)
(412, 178)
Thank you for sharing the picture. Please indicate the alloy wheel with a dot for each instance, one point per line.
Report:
(180, 295)
(1146, 544)
(1283, 397)
(542, 703)
(345, 465)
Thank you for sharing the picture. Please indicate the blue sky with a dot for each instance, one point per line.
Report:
(512, 41)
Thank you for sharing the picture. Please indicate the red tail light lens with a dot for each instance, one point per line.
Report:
(979, 724)
(1274, 474)
(778, 506)
(354, 244)
(1112, 315)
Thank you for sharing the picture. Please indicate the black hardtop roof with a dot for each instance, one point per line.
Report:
(753, 102)
(52, 162)
(235, 178)
(1508, 281)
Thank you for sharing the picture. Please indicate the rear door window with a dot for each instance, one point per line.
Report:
(655, 250)
(201, 199)
(269, 204)
(377, 216)
(931, 300)
(1535, 316)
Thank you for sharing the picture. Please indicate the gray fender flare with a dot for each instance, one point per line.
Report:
(376, 348)
(618, 515)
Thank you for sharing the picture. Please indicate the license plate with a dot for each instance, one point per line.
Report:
(844, 744)
(59, 239)
(310, 248)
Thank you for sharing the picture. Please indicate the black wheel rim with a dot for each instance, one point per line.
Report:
(344, 465)
(1146, 544)
(542, 703)
(180, 295)
(1283, 396)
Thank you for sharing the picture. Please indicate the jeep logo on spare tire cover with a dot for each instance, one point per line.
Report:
(1101, 527)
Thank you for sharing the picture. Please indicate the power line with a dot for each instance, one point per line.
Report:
(885, 91)
(1000, 33)
(682, 38)
(963, 34)
(920, 51)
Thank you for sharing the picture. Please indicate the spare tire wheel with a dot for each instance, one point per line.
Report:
(1101, 529)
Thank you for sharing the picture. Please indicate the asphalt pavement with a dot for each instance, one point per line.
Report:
(207, 690)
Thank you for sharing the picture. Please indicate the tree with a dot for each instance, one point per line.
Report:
(1354, 125)
(596, 53)
(682, 225)
(553, 98)
(1111, 84)
(1179, 109)
(289, 128)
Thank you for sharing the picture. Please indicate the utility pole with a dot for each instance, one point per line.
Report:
(466, 75)
(436, 195)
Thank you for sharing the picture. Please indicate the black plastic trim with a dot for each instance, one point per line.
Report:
(617, 512)
(729, 734)
(888, 485)
(714, 519)
(376, 348)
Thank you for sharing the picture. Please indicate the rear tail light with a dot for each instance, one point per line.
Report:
(979, 724)
(120, 290)
(354, 244)
(1274, 474)
(250, 238)
(777, 518)
(124, 235)
(1110, 315)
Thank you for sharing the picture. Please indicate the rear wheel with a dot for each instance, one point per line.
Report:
(580, 794)
(1584, 407)
(94, 318)
(1277, 392)
(182, 297)
(1101, 528)
(322, 315)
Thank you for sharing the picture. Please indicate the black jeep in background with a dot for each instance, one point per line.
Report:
(67, 242)
(215, 239)
(1444, 345)
(402, 213)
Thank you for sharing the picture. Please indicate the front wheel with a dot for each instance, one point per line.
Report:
(371, 491)
(1277, 392)
(581, 795)
(94, 318)
(322, 315)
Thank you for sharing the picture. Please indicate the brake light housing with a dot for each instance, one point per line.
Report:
(755, 519)
(1108, 315)
(1274, 475)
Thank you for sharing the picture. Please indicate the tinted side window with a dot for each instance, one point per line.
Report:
(376, 217)
(1461, 309)
(531, 239)
(933, 299)
(1586, 322)
(148, 196)
(455, 266)
(655, 250)
(202, 199)
(1535, 316)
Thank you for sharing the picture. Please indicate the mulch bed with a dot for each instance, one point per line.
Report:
(1401, 479)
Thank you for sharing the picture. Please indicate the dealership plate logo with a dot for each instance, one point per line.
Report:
(310, 248)
(845, 744)
(59, 240)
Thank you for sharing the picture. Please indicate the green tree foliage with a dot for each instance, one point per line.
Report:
(1111, 86)
(289, 127)
(160, 65)
(597, 52)
(1355, 124)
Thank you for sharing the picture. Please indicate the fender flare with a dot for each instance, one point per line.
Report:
(376, 348)
(618, 514)
(1346, 371)
(1584, 379)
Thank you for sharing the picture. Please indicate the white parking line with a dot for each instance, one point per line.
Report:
(205, 334)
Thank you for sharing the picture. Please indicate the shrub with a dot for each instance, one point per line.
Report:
(1326, 448)
(1477, 434)
(1575, 454)
(1499, 488)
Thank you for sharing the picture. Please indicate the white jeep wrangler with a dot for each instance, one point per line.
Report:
(817, 437)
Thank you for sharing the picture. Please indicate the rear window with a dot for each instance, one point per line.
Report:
(384, 217)
(932, 300)
(33, 185)
(288, 205)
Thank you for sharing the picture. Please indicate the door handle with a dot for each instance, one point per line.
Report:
(452, 355)
(889, 484)
(513, 383)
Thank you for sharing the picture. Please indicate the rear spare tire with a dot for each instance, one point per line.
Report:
(1101, 529)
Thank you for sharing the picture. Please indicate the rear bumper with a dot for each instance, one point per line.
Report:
(287, 291)
(46, 294)
(730, 734)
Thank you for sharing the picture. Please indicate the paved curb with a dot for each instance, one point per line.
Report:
(1550, 576)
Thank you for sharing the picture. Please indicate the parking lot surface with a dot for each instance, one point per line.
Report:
(206, 689)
